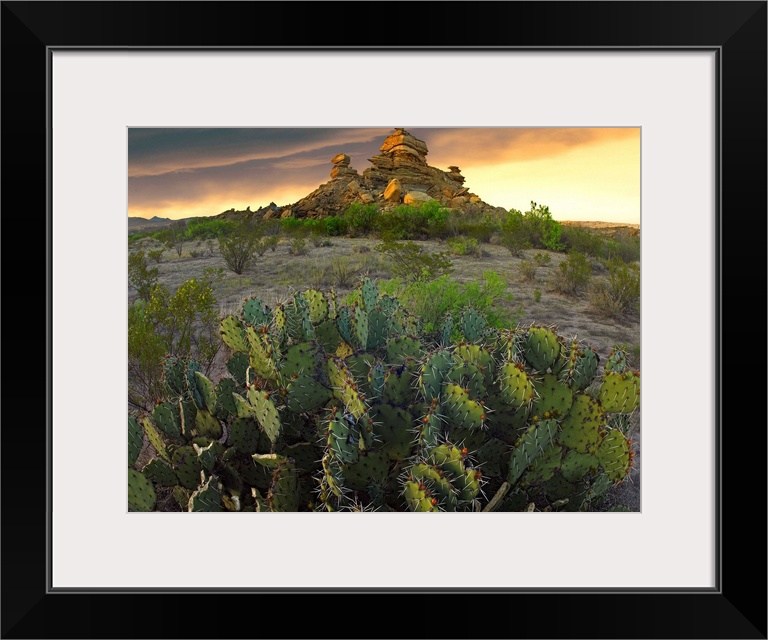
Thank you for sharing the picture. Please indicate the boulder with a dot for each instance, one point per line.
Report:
(393, 191)
(416, 197)
(340, 158)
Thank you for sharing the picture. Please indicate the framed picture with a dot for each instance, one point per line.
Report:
(76, 77)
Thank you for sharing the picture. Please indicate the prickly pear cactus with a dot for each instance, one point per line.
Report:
(348, 406)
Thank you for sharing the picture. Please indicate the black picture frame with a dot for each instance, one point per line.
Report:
(735, 609)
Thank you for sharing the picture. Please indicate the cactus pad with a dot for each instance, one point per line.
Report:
(141, 493)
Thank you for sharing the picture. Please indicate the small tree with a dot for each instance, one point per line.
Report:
(239, 248)
(140, 275)
(409, 262)
(513, 235)
(177, 235)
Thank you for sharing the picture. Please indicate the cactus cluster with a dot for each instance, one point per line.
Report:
(338, 406)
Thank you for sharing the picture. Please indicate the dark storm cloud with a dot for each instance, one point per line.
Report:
(156, 151)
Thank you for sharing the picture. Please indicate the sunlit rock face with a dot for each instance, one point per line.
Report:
(399, 174)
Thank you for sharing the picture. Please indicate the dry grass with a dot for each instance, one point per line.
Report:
(276, 275)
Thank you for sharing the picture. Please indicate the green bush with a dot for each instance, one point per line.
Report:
(156, 255)
(533, 229)
(582, 241)
(414, 222)
(410, 262)
(140, 276)
(209, 228)
(527, 269)
(537, 295)
(239, 248)
(335, 226)
(184, 324)
(619, 293)
(360, 218)
(431, 300)
(463, 246)
(624, 246)
(542, 259)
(574, 274)
(513, 235)
(298, 247)
(176, 236)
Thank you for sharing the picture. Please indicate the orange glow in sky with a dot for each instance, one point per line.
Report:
(579, 173)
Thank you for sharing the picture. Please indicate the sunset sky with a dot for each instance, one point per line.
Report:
(580, 174)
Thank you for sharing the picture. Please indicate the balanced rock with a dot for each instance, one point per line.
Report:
(399, 169)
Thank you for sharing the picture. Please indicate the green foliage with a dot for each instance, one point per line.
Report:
(209, 228)
(542, 259)
(480, 227)
(533, 229)
(156, 255)
(527, 269)
(140, 276)
(574, 274)
(354, 408)
(624, 246)
(410, 262)
(463, 246)
(417, 222)
(298, 247)
(335, 226)
(537, 295)
(360, 218)
(431, 300)
(239, 248)
(582, 241)
(619, 293)
(302, 227)
(175, 237)
(184, 324)
(513, 233)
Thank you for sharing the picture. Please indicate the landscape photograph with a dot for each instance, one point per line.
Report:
(402, 319)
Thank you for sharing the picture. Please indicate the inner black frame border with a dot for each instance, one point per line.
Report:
(32, 30)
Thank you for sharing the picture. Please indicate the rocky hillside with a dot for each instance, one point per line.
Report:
(400, 175)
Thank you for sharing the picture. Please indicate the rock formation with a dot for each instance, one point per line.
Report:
(399, 175)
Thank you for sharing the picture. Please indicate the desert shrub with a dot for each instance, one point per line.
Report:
(582, 241)
(156, 255)
(574, 274)
(335, 226)
(513, 235)
(527, 269)
(360, 218)
(184, 324)
(270, 242)
(175, 237)
(542, 259)
(239, 248)
(208, 228)
(537, 295)
(341, 272)
(140, 276)
(301, 227)
(617, 294)
(481, 228)
(410, 262)
(197, 253)
(413, 221)
(533, 229)
(362, 248)
(624, 246)
(271, 228)
(463, 246)
(210, 246)
(298, 247)
(431, 300)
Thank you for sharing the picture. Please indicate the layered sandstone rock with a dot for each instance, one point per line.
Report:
(399, 174)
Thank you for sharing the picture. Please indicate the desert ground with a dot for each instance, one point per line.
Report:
(276, 275)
